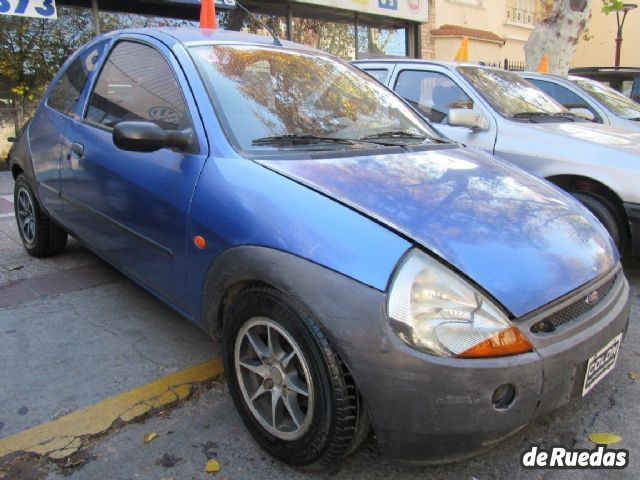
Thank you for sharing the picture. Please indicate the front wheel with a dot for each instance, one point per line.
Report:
(40, 237)
(608, 216)
(290, 387)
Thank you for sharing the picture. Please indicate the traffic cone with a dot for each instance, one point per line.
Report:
(463, 52)
(208, 17)
(543, 66)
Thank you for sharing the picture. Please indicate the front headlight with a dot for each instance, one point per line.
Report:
(434, 310)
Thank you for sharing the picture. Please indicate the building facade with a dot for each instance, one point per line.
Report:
(496, 29)
(597, 44)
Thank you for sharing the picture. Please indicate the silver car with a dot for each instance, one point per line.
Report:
(502, 113)
(589, 98)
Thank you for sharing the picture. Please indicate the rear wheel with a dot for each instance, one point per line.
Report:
(40, 237)
(290, 387)
(607, 214)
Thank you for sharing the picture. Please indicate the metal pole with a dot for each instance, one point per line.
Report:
(96, 18)
(355, 29)
(289, 22)
(619, 36)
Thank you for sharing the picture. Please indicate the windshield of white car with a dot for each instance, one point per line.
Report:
(613, 100)
(512, 96)
(275, 98)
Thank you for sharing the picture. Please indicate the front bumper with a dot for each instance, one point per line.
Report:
(427, 409)
(633, 214)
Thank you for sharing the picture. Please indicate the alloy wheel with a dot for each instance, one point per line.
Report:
(274, 378)
(26, 216)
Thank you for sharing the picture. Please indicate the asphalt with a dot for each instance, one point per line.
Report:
(101, 335)
(73, 332)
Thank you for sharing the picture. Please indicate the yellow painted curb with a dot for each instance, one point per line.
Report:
(61, 437)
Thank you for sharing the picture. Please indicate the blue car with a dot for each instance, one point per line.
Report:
(363, 273)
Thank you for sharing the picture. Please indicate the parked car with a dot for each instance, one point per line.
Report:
(590, 99)
(361, 271)
(501, 113)
(625, 80)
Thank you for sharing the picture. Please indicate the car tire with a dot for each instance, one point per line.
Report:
(40, 236)
(272, 344)
(608, 216)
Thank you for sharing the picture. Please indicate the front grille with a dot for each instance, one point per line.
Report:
(574, 310)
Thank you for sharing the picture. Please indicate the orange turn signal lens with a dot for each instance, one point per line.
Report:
(507, 342)
(200, 242)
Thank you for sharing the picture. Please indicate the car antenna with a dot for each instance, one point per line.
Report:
(276, 40)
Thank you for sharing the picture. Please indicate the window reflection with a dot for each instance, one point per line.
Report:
(335, 38)
(615, 101)
(263, 92)
(381, 42)
(508, 93)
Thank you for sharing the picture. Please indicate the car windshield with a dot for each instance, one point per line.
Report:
(509, 94)
(613, 100)
(285, 99)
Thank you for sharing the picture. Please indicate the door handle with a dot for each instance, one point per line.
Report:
(77, 149)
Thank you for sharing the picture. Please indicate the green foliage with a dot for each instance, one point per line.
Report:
(32, 50)
(609, 6)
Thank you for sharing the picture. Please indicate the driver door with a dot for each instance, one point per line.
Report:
(132, 207)
(433, 94)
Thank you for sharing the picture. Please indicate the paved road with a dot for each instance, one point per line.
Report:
(101, 335)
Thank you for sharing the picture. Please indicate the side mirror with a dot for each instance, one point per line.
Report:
(466, 117)
(149, 137)
(583, 113)
(11, 139)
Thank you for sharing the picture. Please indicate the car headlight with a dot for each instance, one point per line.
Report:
(434, 310)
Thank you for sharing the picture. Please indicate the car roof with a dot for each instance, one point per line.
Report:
(571, 78)
(193, 36)
(449, 64)
(607, 72)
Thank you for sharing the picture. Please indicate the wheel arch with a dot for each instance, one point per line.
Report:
(239, 267)
(582, 184)
(330, 297)
(16, 170)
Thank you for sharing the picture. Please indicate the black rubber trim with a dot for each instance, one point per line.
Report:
(633, 214)
(161, 249)
(49, 189)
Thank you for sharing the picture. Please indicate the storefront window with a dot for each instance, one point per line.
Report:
(336, 38)
(381, 42)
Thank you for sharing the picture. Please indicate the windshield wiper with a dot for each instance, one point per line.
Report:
(300, 140)
(394, 134)
(532, 115)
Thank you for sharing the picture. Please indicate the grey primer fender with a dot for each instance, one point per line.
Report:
(351, 314)
(21, 158)
(338, 303)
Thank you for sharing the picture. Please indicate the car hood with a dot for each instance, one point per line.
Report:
(594, 133)
(518, 237)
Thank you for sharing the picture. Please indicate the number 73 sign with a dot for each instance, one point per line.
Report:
(29, 8)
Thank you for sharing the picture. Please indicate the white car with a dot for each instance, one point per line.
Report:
(601, 104)
(502, 113)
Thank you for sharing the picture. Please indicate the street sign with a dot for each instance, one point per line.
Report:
(415, 10)
(29, 8)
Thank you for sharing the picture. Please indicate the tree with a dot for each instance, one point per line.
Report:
(34, 49)
(557, 34)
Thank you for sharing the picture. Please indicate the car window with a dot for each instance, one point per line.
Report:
(613, 100)
(261, 93)
(66, 92)
(564, 96)
(510, 94)
(137, 83)
(379, 74)
(431, 93)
